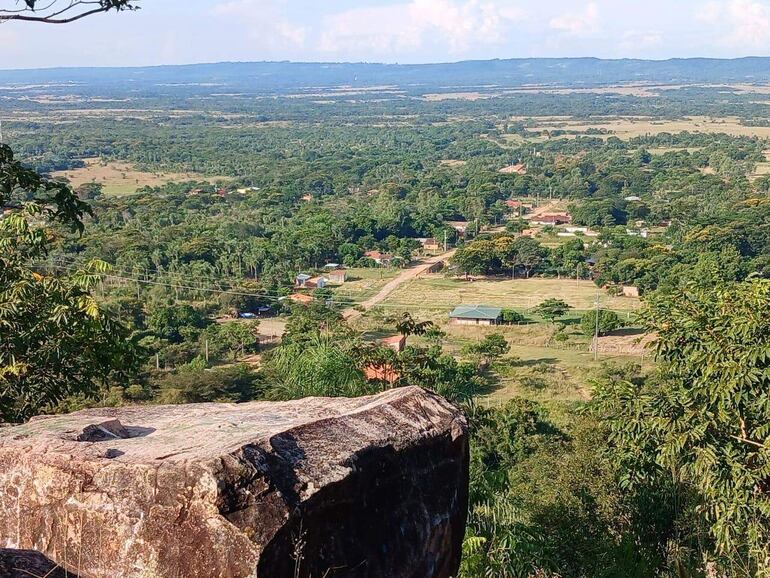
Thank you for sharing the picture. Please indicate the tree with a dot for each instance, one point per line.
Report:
(512, 316)
(408, 326)
(608, 321)
(62, 12)
(703, 420)
(492, 346)
(57, 341)
(552, 309)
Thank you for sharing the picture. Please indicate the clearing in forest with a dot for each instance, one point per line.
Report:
(633, 126)
(121, 178)
(436, 292)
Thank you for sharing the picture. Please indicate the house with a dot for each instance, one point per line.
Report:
(436, 267)
(459, 226)
(628, 291)
(301, 298)
(379, 258)
(632, 198)
(381, 373)
(511, 204)
(552, 219)
(528, 233)
(316, 283)
(338, 277)
(307, 197)
(431, 244)
(332, 266)
(476, 315)
(517, 169)
(397, 342)
(302, 279)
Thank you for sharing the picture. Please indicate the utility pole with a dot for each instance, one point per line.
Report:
(445, 236)
(207, 350)
(596, 329)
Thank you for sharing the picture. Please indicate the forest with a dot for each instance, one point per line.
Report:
(163, 293)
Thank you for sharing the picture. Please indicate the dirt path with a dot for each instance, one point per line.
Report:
(548, 207)
(393, 284)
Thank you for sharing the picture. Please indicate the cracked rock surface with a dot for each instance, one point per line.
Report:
(371, 487)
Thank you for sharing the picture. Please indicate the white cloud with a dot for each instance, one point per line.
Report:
(742, 24)
(751, 23)
(578, 24)
(265, 22)
(710, 12)
(396, 28)
(634, 40)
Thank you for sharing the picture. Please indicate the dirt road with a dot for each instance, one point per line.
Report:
(393, 284)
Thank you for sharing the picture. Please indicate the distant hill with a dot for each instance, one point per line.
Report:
(270, 77)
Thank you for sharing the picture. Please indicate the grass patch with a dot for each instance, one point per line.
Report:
(120, 178)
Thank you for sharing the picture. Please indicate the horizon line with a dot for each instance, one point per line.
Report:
(394, 64)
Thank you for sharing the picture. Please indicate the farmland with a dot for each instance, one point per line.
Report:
(121, 178)
(438, 293)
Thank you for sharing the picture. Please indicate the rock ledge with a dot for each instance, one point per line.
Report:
(370, 487)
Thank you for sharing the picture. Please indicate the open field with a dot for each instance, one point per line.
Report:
(120, 178)
(762, 168)
(364, 283)
(436, 292)
(630, 127)
(547, 373)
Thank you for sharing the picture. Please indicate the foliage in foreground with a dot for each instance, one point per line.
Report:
(55, 338)
(703, 421)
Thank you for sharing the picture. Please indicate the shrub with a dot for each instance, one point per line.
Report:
(512, 316)
(608, 321)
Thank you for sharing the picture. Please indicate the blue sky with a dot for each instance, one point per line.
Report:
(185, 31)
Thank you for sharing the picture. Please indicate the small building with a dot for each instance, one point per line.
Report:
(332, 266)
(436, 267)
(431, 244)
(632, 198)
(629, 291)
(316, 283)
(397, 342)
(517, 169)
(476, 315)
(302, 279)
(459, 226)
(301, 298)
(379, 258)
(528, 233)
(338, 277)
(511, 204)
(384, 373)
(552, 219)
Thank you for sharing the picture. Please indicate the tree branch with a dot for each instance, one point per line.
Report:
(43, 15)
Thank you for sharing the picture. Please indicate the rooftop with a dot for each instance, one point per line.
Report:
(476, 312)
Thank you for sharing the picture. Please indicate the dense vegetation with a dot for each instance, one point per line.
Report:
(106, 300)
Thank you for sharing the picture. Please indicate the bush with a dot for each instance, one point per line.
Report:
(608, 321)
(512, 316)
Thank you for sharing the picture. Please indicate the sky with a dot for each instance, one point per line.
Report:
(404, 31)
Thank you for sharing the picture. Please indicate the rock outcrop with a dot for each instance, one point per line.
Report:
(373, 487)
(28, 564)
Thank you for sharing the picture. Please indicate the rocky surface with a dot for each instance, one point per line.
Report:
(372, 487)
(28, 564)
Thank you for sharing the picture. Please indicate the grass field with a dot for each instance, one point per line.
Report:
(438, 293)
(547, 373)
(119, 178)
(630, 127)
(363, 283)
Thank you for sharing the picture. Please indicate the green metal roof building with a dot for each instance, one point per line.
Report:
(476, 315)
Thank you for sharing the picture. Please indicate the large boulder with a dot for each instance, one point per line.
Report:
(357, 488)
